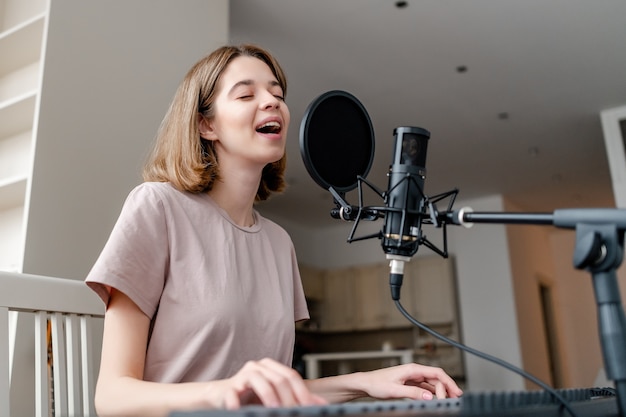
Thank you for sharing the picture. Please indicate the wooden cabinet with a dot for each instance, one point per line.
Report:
(22, 25)
(312, 282)
(430, 284)
(354, 311)
(371, 297)
(359, 298)
(374, 306)
(338, 306)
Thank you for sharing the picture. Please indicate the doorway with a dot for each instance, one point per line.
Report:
(550, 333)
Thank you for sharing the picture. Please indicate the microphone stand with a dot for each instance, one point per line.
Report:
(599, 250)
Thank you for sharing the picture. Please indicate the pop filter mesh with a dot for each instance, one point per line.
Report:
(338, 141)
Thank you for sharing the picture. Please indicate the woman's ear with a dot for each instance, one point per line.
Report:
(205, 127)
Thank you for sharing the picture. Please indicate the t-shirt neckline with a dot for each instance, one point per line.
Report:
(249, 229)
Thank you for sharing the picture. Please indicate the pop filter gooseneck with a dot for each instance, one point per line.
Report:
(337, 141)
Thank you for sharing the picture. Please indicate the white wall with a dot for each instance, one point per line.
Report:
(489, 322)
(106, 86)
(110, 71)
(486, 299)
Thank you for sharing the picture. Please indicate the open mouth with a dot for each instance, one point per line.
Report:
(269, 127)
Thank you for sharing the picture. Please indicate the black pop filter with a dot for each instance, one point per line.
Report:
(337, 140)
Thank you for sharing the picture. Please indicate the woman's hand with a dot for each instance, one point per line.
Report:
(418, 382)
(413, 381)
(265, 382)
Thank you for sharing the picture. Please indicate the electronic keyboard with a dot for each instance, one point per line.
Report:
(585, 402)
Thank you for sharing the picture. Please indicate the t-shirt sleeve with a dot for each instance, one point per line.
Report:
(135, 258)
(301, 311)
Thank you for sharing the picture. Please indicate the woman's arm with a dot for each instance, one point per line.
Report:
(403, 381)
(121, 390)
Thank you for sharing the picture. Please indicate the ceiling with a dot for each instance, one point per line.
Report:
(511, 91)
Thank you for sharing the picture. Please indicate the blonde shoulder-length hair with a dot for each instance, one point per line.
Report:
(180, 155)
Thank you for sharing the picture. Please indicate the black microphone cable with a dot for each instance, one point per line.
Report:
(399, 253)
(395, 282)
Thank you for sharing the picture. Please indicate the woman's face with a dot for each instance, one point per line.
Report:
(251, 117)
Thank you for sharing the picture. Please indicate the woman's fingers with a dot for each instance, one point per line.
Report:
(440, 390)
(411, 381)
(231, 400)
(442, 384)
(275, 385)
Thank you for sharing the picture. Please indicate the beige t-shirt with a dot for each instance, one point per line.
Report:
(218, 294)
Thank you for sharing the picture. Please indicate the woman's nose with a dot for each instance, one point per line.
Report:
(270, 101)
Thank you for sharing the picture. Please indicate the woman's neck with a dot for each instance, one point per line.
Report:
(235, 193)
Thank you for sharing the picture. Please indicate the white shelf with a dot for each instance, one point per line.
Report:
(17, 114)
(12, 192)
(11, 246)
(14, 12)
(19, 82)
(313, 359)
(15, 155)
(22, 25)
(21, 45)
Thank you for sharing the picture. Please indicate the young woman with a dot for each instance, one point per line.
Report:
(202, 292)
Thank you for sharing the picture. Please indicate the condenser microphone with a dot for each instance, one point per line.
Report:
(405, 201)
(405, 195)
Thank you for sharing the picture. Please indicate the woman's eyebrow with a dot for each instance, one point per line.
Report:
(239, 84)
(272, 83)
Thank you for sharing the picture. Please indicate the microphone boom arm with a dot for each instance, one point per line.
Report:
(600, 251)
